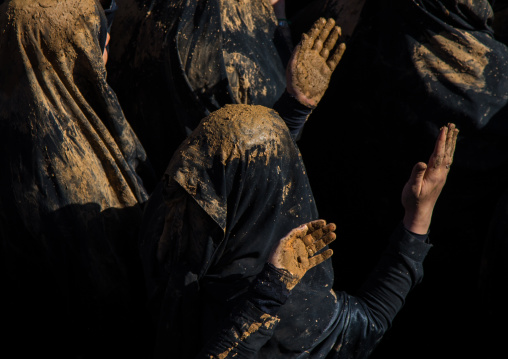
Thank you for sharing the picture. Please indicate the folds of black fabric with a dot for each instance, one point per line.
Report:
(232, 190)
(70, 196)
(175, 62)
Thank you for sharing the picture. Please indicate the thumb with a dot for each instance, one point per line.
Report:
(417, 174)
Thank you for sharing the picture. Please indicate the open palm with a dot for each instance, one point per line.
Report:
(313, 62)
(426, 182)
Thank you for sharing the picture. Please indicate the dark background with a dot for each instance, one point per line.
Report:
(359, 147)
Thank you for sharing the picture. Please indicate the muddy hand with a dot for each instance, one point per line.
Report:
(313, 62)
(296, 252)
(426, 182)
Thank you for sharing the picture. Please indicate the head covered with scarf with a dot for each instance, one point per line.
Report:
(70, 194)
(232, 190)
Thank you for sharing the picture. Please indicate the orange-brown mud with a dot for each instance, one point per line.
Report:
(458, 58)
(51, 37)
(311, 76)
(228, 134)
(294, 258)
(247, 17)
(54, 23)
(266, 321)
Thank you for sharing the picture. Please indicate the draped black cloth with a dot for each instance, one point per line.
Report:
(246, 174)
(232, 190)
(70, 195)
(409, 68)
(425, 63)
(174, 62)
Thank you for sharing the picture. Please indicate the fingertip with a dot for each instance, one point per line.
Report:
(337, 56)
(316, 224)
(342, 48)
(303, 227)
(418, 172)
(420, 166)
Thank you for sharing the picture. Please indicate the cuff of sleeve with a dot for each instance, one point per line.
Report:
(268, 291)
(409, 244)
(292, 112)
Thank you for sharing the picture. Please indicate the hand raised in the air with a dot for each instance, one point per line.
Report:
(313, 62)
(423, 188)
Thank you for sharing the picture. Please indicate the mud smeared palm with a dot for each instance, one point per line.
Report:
(313, 62)
(423, 188)
(296, 252)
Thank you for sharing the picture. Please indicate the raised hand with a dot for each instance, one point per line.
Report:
(313, 62)
(426, 182)
(296, 252)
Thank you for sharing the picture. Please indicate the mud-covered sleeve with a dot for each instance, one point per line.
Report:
(252, 322)
(362, 319)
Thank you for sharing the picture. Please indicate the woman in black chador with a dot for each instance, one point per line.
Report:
(70, 197)
(232, 190)
(177, 61)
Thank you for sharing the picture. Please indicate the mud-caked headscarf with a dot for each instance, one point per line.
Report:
(233, 189)
(69, 193)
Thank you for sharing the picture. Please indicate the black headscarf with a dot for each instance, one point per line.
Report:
(70, 196)
(232, 190)
(180, 60)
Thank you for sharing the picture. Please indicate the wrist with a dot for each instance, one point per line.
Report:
(279, 8)
(300, 97)
(417, 223)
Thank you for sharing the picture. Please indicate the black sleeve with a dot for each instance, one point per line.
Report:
(361, 320)
(252, 322)
(399, 270)
(293, 113)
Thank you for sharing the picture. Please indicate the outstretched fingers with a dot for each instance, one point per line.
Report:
(317, 229)
(451, 141)
(315, 225)
(334, 60)
(442, 157)
(322, 37)
(320, 244)
(436, 159)
(323, 34)
(329, 42)
(320, 238)
(309, 39)
(320, 258)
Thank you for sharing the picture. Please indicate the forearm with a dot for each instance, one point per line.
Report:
(399, 270)
(253, 321)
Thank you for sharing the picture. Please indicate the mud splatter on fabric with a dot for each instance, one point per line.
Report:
(245, 178)
(70, 195)
(188, 59)
(459, 59)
